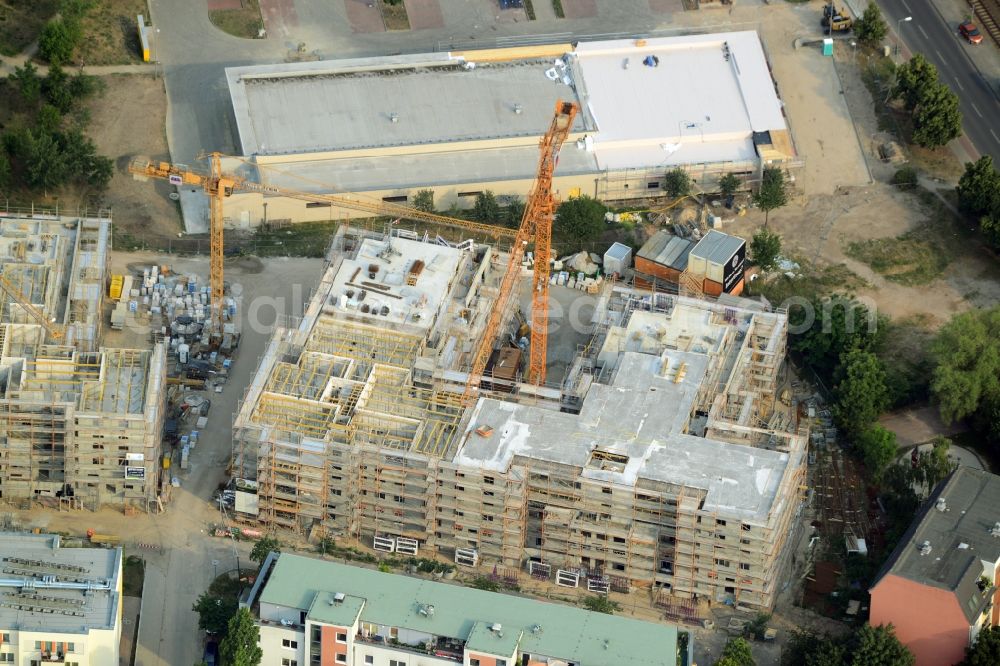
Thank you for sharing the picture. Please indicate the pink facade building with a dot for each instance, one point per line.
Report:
(939, 586)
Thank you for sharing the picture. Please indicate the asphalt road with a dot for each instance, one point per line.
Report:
(928, 33)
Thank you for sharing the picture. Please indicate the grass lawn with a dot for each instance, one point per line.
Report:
(21, 21)
(911, 259)
(394, 15)
(133, 575)
(245, 22)
(111, 34)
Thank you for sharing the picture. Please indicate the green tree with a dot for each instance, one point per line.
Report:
(966, 377)
(826, 652)
(986, 650)
(580, 219)
(677, 183)
(263, 548)
(215, 611)
(49, 119)
(838, 325)
(729, 183)
(905, 178)
(934, 465)
(913, 80)
(765, 247)
(877, 447)
(27, 82)
(41, 160)
(82, 162)
(871, 28)
(424, 200)
(937, 118)
(600, 604)
(513, 212)
(737, 653)
(58, 40)
(240, 646)
(772, 193)
(6, 175)
(486, 210)
(979, 187)
(990, 226)
(57, 89)
(861, 394)
(878, 646)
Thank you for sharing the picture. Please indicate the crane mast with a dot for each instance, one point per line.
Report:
(536, 226)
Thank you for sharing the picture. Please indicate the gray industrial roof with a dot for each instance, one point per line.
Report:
(557, 631)
(643, 415)
(27, 602)
(960, 537)
(666, 249)
(395, 101)
(717, 247)
(405, 171)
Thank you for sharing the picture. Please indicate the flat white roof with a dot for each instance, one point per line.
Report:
(395, 101)
(675, 100)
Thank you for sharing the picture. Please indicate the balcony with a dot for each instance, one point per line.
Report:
(445, 649)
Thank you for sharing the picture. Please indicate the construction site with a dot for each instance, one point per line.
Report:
(80, 424)
(661, 460)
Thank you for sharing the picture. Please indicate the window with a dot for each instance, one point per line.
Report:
(5, 638)
(341, 658)
(653, 185)
(317, 204)
(70, 647)
(473, 662)
(288, 662)
(369, 659)
(744, 566)
(7, 656)
(721, 562)
(501, 662)
(461, 194)
(395, 199)
(290, 644)
(720, 522)
(341, 638)
(393, 662)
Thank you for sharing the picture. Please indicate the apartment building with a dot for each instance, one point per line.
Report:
(318, 613)
(58, 605)
(81, 428)
(938, 588)
(663, 461)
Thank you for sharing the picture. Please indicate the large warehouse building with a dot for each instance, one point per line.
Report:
(462, 123)
(661, 462)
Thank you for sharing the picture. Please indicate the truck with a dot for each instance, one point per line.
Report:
(836, 19)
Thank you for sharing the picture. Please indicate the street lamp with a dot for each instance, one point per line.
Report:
(899, 28)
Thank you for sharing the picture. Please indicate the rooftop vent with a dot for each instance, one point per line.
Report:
(941, 505)
(496, 627)
(339, 597)
(517, 109)
(536, 628)
(427, 610)
(394, 117)
(925, 548)
(996, 530)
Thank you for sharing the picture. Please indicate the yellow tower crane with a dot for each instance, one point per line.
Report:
(219, 185)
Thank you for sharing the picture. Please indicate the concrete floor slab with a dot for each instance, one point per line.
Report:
(579, 8)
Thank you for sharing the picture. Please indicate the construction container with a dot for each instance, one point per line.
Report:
(617, 259)
(115, 286)
(719, 260)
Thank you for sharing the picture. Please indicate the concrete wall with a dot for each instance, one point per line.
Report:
(928, 620)
(95, 648)
(271, 637)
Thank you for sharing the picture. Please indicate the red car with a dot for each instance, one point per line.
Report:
(970, 32)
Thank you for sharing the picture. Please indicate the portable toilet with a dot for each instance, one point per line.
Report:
(828, 46)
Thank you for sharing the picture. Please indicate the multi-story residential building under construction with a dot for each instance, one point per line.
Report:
(80, 423)
(661, 461)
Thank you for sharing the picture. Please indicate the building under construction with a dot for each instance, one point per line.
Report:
(662, 460)
(79, 423)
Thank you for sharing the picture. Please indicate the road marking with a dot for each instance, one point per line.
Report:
(942, 57)
(995, 136)
(976, 109)
(959, 84)
(907, 7)
(922, 31)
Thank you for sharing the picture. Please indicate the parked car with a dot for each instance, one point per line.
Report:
(211, 656)
(970, 32)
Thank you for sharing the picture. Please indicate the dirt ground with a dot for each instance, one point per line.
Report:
(128, 120)
(111, 35)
